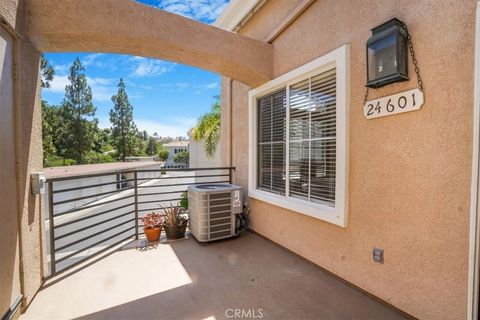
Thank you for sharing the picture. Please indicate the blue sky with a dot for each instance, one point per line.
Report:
(167, 97)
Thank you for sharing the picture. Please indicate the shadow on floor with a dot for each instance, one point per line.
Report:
(249, 278)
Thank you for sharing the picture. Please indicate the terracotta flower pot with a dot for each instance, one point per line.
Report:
(153, 234)
(176, 231)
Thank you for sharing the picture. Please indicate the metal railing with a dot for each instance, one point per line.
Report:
(89, 214)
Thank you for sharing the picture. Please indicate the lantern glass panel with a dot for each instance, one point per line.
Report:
(382, 57)
(402, 55)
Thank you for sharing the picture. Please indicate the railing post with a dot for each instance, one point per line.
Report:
(51, 226)
(136, 204)
(230, 175)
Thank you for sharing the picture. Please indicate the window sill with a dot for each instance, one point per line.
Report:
(315, 210)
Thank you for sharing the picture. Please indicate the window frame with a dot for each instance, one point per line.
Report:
(339, 59)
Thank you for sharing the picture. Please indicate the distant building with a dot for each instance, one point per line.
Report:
(199, 158)
(173, 148)
(140, 159)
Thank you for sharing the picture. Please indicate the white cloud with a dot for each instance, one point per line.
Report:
(90, 59)
(61, 68)
(146, 67)
(102, 88)
(173, 87)
(176, 127)
(211, 85)
(200, 88)
(206, 11)
(58, 84)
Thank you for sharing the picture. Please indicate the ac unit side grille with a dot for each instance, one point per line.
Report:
(223, 195)
(222, 234)
(212, 214)
(220, 215)
(220, 228)
(219, 209)
(214, 222)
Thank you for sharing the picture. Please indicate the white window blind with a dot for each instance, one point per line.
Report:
(271, 142)
(311, 145)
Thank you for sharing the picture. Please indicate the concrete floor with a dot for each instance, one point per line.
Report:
(186, 280)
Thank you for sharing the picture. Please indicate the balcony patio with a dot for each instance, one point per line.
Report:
(186, 280)
(103, 268)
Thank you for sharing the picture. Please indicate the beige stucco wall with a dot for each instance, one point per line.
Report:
(27, 151)
(409, 174)
(128, 27)
(9, 249)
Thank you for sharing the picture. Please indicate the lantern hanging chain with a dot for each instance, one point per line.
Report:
(365, 98)
(414, 59)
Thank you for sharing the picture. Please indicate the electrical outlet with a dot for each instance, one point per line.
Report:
(378, 255)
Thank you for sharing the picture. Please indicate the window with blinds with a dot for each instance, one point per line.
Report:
(307, 141)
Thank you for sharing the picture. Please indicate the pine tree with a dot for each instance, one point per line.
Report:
(49, 115)
(49, 121)
(46, 71)
(124, 131)
(78, 112)
(152, 147)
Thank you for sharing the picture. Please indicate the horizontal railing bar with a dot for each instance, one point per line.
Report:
(93, 245)
(89, 257)
(91, 196)
(100, 174)
(184, 177)
(156, 209)
(92, 216)
(90, 206)
(182, 184)
(90, 175)
(159, 193)
(153, 201)
(185, 169)
(94, 185)
(92, 225)
(91, 236)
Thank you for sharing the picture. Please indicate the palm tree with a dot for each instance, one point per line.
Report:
(208, 129)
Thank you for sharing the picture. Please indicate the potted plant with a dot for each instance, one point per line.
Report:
(152, 226)
(184, 200)
(175, 222)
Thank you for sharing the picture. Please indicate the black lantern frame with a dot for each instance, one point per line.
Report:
(387, 54)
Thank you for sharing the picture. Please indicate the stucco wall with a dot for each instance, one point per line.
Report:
(27, 150)
(8, 11)
(29, 158)
(128, 27)
(9, 248)
(409, 174)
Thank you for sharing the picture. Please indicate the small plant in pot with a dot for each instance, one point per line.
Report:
(152, 226)
(175, 223)
(184, 201)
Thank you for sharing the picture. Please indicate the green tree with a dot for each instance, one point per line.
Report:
(50, 121)
(124, 130)
(49, 114)
(152, 147)
(46, 72)
(182, 157)
(208, 129)
(103, 141)
(163, 154)
(77, 113)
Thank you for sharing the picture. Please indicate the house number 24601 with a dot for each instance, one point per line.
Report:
(397, 103)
